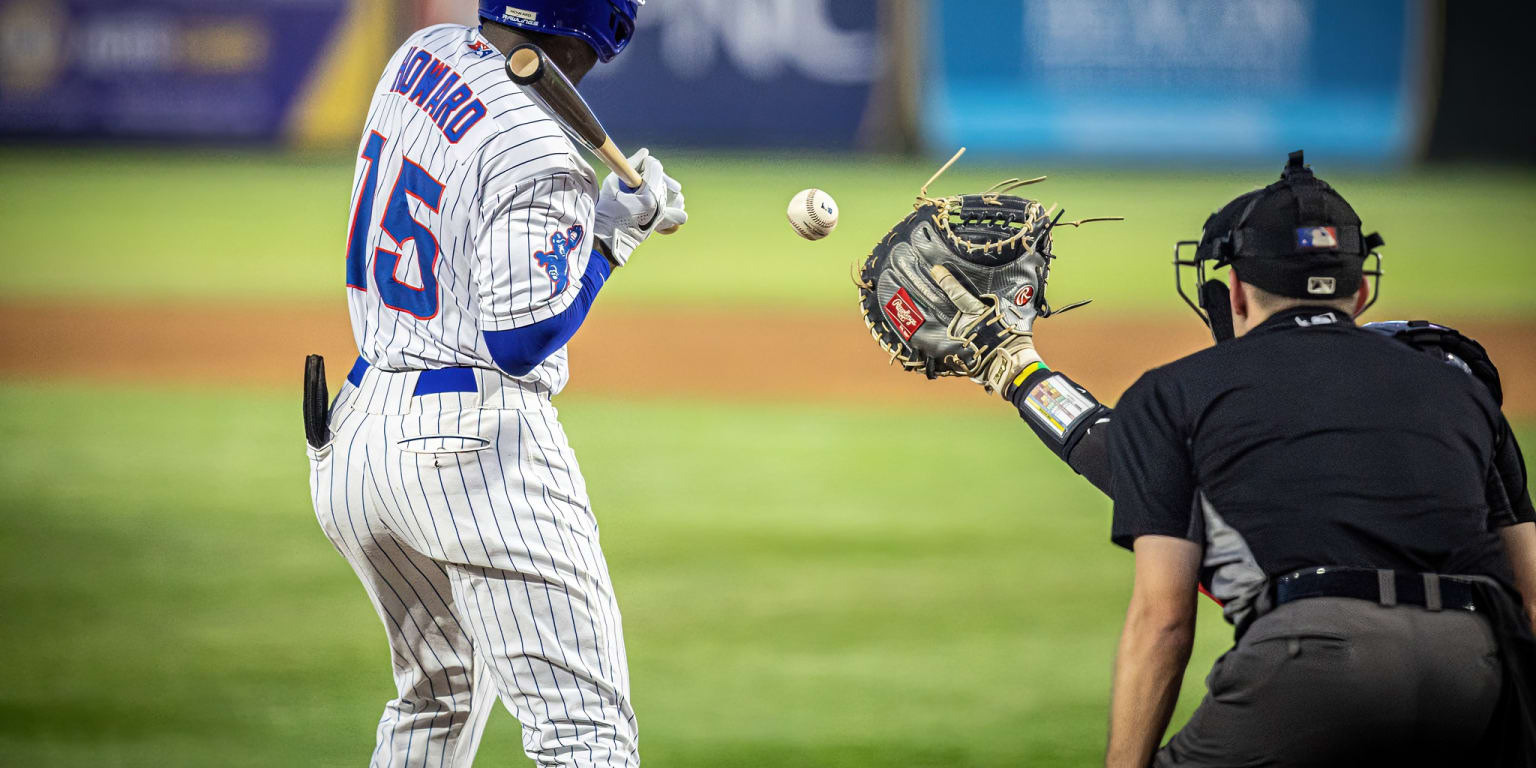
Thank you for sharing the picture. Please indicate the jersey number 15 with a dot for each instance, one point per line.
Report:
(398, 224)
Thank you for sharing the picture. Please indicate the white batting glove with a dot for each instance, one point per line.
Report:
(625, 217)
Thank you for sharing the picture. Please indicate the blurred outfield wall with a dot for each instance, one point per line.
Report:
(1218, 80)
(250, 71)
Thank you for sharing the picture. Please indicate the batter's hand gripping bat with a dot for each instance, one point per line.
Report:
(542, 80)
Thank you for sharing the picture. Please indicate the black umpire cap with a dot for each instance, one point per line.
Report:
(1296, 237)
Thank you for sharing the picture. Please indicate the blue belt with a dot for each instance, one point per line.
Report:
(435, 381)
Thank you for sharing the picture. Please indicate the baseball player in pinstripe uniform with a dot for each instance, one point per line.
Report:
(477, 242)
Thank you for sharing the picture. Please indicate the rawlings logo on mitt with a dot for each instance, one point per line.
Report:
(903, 313)
(955, 287)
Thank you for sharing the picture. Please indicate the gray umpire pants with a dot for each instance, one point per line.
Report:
(1334, 681)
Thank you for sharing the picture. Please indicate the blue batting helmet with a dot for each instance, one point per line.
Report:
(606, 25)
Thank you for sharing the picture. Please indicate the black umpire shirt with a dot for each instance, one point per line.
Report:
(1311, 442)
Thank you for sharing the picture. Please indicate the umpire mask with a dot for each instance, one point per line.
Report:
(1296, 237)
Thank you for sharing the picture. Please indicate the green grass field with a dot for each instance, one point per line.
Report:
(802, 584)
(152, 224)
(170, 599)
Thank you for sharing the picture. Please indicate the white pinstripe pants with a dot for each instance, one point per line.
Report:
(470, 529)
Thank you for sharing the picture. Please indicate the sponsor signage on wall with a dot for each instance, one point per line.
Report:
(1122, 79)
(748, 73)
(164, 69)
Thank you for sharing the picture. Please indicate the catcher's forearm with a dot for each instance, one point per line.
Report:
(1068, 419)
(1090, 458)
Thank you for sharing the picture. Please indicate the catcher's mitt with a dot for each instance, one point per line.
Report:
(995, 246)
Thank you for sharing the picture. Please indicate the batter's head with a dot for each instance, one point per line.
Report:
(1296, 238)
(606, 25)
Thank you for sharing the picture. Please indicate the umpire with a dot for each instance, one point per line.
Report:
(1358, 507)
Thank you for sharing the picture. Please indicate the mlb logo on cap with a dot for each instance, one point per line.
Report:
(1317, 238)
(1323, 285)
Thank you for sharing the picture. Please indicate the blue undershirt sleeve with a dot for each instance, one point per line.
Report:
(520, 350)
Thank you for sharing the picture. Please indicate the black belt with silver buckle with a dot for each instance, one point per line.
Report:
(1386, 587)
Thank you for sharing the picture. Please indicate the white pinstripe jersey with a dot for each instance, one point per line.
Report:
(471, 211)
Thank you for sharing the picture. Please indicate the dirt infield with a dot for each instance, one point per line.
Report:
(797, 355)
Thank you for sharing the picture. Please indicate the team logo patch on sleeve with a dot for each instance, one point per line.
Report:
(903, 313)
(1317, 238)
(481, 49)
(556, 261)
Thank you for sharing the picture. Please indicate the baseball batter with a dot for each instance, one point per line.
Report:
(477, 242)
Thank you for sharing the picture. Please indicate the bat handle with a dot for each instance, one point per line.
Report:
(616, 161)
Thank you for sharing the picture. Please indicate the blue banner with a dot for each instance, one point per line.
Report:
(163, 69)
(741, 73)
(1218, 79)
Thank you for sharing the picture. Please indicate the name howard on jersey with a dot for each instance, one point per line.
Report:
(429, 84)
(451, 240)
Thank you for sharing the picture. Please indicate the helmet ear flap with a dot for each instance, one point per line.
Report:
(1218, 308)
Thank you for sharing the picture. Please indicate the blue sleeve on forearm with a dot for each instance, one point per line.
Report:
(520, 350)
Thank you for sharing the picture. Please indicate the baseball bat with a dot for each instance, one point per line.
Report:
(542, 80)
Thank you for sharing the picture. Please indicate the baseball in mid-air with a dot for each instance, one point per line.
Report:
(813, 213)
